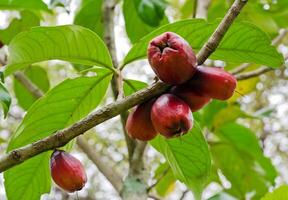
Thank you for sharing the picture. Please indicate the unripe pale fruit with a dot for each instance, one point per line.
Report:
(139, 125)
(213, 82)
(171, 58)
(171, 116)
(67, 171)
(188, 94)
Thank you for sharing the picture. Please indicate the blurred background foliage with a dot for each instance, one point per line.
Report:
(247, 135)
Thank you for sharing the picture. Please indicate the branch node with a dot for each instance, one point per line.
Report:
(15, 154)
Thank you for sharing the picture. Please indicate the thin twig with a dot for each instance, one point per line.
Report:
(275, 41)
(280, 37)
(27, 83)
(220, 31)
(159, 179)
(195, 8)
(184, 194)
(117, 81)
(112, 176)
(257, 72)
(202, 8)
(240, 68)
(153, 197)
(253, 73)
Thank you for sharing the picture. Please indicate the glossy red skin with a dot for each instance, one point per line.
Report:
(188, 94)
(213, 82)
(139, 125)
(171, 58)
(171, 116)
(67, 171)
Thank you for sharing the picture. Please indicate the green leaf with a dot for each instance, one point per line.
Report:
(241, 160)
(166, 179)
(65, 104)
(131, 86)
(132, 20)
(270, 20)
(240, 170)
(27, 20)
(5, 99)
(246, 141)
(210, 111)
(90, 16)
(23, 4)
(240, 44)
(36, 75)
(222, 196)
(69, 43)
(188, 157)
(229, 114)
(280, 193)
(150, 11)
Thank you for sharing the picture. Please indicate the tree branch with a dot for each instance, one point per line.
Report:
(220, 31)
(253, 73)
(31, 87)
(159, 179)
(117, 82)
(62, 137)
(112, 176)
(275, 41)
(202, 8)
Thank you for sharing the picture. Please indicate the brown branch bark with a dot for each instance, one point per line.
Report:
(220, 31)
(31, 87)
(112, 176)
(117, 82)
(253, 73)
(275, 41)
(202, 8)
(62, 137)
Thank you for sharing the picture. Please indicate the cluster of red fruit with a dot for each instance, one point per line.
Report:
(173, 61)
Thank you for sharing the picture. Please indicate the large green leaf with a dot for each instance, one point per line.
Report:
(132, 20)
(60, 107)
(240, 44)
(36, 75)
(131, 86)
(210, 111)
(23, 4)
(27, 20)
(246, 141)
(241, 160)
(5, 99)
(239, 168)
(188, 157)
(90, 16)
(70, 43)
(280, 193)
(270, 20)
(165, 179)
